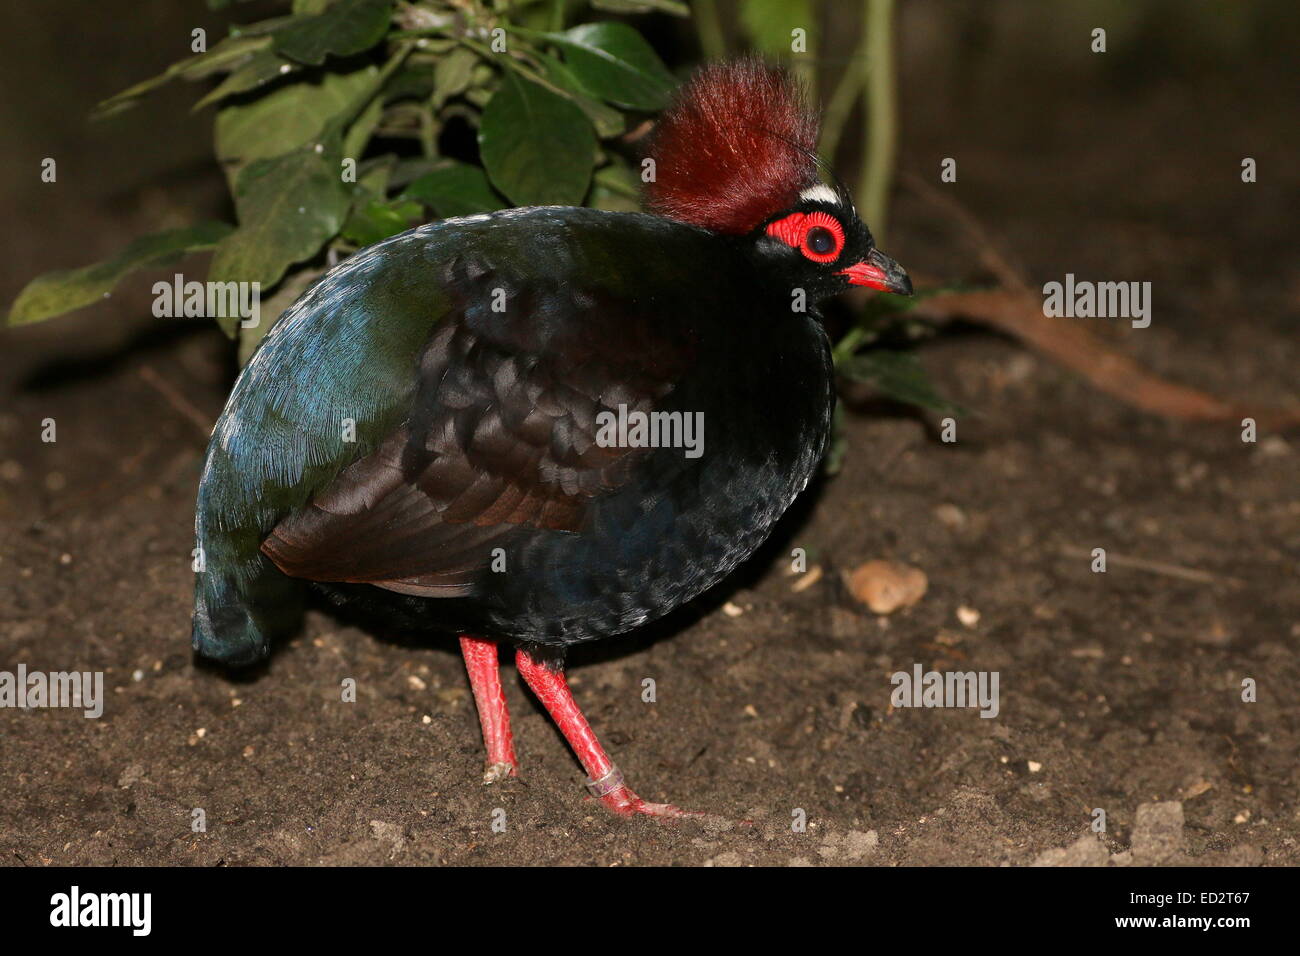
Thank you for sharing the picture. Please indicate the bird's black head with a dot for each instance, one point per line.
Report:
(821, 246)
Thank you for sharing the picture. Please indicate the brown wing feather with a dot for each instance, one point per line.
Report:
(500, 442)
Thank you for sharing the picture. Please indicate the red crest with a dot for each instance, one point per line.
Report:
(736, 146)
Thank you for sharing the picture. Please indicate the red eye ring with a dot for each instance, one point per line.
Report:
(793, 230)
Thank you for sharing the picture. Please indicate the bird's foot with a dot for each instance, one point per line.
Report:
(493, 715)
(605, 782)
(496, 772)
(625, 803)
(619, 798)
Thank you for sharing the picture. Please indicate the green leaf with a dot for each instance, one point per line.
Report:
(288, 208)
(607, 120)
(769, 23)
(899, 376)
(414, 81)
(229, 54)
(403, 172)
(885, 310)
(374, 175)
(288, 117)
(57, 292)
(373, 220)
(261, 28)
(455, 190)
(344, 29)
(676, 8)
(617, 188)
(262, 67)
(362, 128)
(614, 62)
(453, 74)
(270, 311)
(538, 148)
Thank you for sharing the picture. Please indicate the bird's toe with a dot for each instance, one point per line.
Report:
(496, 772)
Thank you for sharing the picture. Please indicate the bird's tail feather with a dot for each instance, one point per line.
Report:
(238, 617)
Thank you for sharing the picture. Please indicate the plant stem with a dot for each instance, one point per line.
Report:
(802, 66)
(428, 133)
(708, 28)
(848, 344)
(880, 133)
(836, 114)
(524, 71)
(422, 33)
(350, 115)
(621, 188)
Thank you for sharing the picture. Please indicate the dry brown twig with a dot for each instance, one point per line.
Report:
(176, 400)
(1156, 567)
(1016, 309)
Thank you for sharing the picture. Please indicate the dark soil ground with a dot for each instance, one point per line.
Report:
(1120, 691)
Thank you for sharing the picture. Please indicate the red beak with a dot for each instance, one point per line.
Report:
(878, 271)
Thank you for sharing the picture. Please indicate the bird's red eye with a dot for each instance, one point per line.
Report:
(818, 235)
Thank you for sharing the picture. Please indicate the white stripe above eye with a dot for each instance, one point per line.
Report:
(820, 193)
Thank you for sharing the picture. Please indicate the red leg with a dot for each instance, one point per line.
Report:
(493, 717)
(604, 781)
